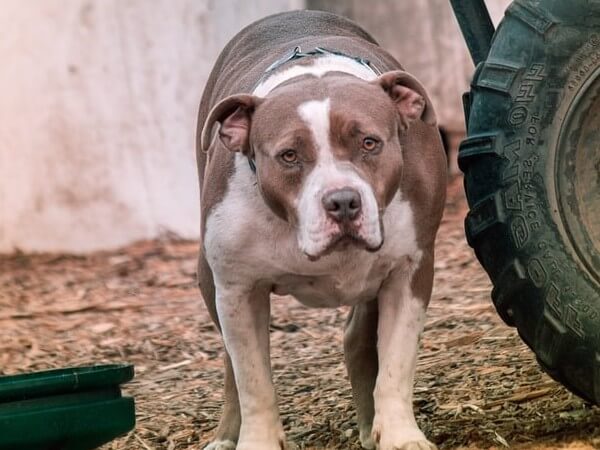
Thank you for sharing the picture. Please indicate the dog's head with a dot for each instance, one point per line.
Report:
(327, 152)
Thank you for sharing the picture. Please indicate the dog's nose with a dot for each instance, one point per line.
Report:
(342, 205)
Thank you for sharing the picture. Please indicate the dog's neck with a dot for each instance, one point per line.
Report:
(322, 61)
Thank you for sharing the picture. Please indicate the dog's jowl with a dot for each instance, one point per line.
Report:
(322, 177)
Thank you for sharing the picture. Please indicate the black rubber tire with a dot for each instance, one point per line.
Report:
(532, 179)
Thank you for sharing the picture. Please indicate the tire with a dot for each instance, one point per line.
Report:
(532, 180)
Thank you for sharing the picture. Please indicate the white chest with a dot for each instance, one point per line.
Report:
(355, 278)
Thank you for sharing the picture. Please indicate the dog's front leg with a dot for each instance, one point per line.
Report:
(244, 316)
(402, 303)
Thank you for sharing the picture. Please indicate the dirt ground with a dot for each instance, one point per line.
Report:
(477, 385)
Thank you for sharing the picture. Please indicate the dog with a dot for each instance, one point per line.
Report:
(322, 176)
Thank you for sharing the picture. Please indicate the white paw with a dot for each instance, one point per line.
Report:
(416, 445)
(255, 445)
(401, 438)
(263, 442)
(221, 445)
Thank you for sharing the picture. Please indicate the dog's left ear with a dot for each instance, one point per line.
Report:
(410, 97)
(234, 114)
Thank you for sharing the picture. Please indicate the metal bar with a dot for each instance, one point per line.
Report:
(476, 26)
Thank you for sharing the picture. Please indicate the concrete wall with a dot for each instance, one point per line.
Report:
(97, 116)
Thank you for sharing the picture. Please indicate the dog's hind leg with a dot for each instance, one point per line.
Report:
(360, 350)
(228, 430)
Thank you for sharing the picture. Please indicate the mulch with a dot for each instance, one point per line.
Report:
(478, 386)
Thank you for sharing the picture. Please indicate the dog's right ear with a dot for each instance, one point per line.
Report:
(234, 115)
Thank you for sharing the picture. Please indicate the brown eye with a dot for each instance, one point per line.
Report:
(289, 156)
(369, 144)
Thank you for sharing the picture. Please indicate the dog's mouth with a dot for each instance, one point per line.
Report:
(345, 238)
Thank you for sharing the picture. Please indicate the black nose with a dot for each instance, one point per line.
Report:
(342, 205)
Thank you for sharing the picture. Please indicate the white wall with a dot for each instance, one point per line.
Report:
(98, 102)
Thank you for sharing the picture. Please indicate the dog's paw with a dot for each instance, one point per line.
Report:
(278, 443)
(262, 446)
(400, 439)
(221, 445)
(416, 445)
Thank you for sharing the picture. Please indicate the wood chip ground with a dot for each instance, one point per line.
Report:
(478, 386)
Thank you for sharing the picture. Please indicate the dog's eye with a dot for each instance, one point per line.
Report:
(289, 156)
(370, 144)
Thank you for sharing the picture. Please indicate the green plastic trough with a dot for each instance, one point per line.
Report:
(66, 409)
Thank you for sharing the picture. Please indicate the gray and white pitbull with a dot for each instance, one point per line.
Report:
(325, 181)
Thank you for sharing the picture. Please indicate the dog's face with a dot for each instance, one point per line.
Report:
(327, 152)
